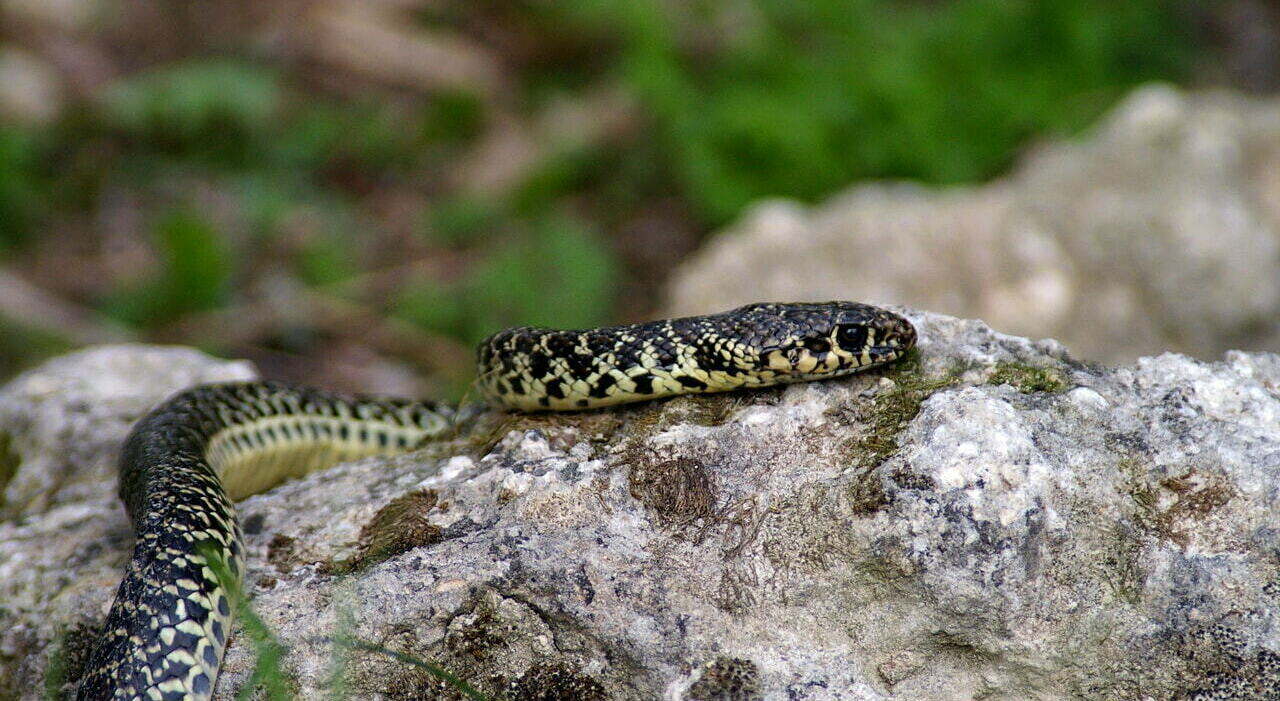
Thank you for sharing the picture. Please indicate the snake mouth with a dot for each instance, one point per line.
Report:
(885, 354)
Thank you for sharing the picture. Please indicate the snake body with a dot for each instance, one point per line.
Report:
(186, 460)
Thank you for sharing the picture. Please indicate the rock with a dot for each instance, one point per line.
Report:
(64, 536)
(989, 519)
(62, 424)
(1160, 230)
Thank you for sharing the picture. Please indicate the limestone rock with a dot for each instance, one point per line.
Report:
(64, 536)
(989, 519)
(1158, 231)
(61, 424)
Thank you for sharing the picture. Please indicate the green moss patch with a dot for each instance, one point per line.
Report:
(396, 528)
(887, 413)
(1028, 378)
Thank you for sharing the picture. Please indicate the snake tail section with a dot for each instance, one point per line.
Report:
(181, 465)
(537, 369)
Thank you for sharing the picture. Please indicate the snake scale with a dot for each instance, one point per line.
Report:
(186, 460)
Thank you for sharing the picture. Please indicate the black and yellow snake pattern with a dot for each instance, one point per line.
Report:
(185, 461)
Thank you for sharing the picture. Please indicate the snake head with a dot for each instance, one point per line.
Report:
(832, 338)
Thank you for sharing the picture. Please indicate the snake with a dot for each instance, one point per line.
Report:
(186, 461)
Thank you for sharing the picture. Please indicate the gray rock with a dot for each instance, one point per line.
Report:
(990, 519)
(1158, 231)
(62, 423)
(64, 537)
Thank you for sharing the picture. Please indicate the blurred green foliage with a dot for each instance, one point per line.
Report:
(228, 158)
(459, 220)
(802, 98)
(212, 110)
(195, 275)
(20, 185)
(548, 271)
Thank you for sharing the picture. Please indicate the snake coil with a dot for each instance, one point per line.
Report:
(186, 460)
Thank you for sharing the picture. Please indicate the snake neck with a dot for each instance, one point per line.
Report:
(538, 369)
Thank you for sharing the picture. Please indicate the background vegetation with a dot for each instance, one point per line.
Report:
(356, 192)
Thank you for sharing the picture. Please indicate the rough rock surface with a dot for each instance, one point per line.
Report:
(65, 421)
(1158, 231)
(989, 519)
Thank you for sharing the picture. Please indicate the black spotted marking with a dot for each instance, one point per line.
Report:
(517, 385)
(644, 384)
(174, 669)
(184, 641)
(196, 611)
(224, 608)
(691, 382)
(600, 343)
(200, 684)
(544, 401)
(524, 342)
(667, 353)
(539, 365)
(561, 344)
(173, 696)
(555, 389)
(600, 389)
(712, 358)
(219, 634)
(583, 403)
(581, 365)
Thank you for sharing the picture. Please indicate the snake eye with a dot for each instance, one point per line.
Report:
(817, 345)
(851, 337)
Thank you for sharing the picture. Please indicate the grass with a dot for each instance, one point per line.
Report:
(268, 673)
(433, 669)
(551, 271)
(196, 273)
